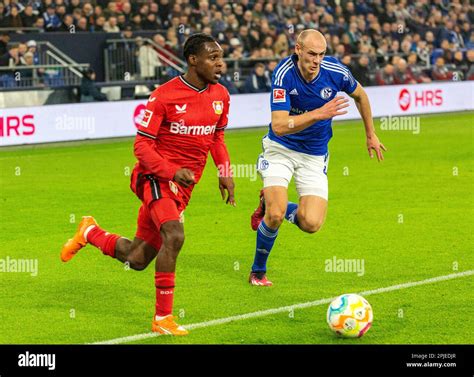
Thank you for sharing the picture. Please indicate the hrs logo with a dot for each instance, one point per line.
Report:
(17, 126)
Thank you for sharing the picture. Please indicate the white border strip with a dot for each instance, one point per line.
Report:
(282, 309)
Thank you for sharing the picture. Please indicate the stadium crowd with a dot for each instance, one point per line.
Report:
(383, 41)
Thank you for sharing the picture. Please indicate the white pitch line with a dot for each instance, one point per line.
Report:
(282, 309)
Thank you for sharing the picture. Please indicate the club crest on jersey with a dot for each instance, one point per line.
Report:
(326, 93)
(146, 118)
(218, 107)
(279, 95)
(181, 109)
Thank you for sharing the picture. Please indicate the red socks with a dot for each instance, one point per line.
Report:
(164, 283)
(103, 240)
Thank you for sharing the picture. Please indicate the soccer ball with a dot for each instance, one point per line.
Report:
(350, 316)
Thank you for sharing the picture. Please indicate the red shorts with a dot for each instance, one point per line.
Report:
(150, 219)
(162, 201)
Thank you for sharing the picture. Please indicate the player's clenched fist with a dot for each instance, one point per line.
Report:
(333, 108)
(184, 177)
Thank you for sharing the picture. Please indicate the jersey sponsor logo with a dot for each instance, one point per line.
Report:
(279, 95)
(181, 109)
(294, 92)
(181, 129)
(152, 99)
(173, 188)
(326, 93)
(138, 114)
(146, 118)
(218, 107)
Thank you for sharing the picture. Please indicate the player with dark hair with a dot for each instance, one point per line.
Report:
(184, 119)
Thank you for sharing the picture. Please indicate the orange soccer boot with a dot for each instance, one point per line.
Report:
(76, 243)
(167, 326)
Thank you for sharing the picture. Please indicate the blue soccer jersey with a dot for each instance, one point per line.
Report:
(291, 92)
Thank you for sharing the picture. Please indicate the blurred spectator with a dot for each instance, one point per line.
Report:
(347, 60)
(227, 80)
(89, 91)
(272, 64)
(39, 24)
(33, 49)
(361, 72)
(29, 76)
(28, 18)
(22, 49)
(99, 24)
(82, 25)
(73, 4)
(12, 57)
(440, 72)
(111, 25)
(416, 70)
(9, 59)
(4, 39)
(257, 82)
(148, 59)
(150, 22)
(402, 73)
(470, 43)
(386, 76)
(51, 20)
(3, 17)
(280, 45)
(14, 18)
(67, 25)
(470, 65)
(164, 49)
(461, 65)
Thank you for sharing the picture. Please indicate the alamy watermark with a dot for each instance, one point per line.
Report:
(19, 265)
(336, 264)
(31, 360)
(75, 123)
(400, 123)
(238, 171)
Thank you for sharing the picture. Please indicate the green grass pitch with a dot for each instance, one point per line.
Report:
(409, 218)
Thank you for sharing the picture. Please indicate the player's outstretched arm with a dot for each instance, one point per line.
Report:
(363, 105)
(284, 124)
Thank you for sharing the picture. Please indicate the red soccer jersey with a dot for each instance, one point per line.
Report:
(185, 123)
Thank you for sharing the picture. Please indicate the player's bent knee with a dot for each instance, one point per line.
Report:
(275, 218)
(137, 263)
(310, 225)
(137, 266)
(313, 228)
(175, 241)
(173, 236)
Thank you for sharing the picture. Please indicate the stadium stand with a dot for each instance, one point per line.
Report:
(383, 42)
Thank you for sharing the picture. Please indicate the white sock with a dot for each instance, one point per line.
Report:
(89, 228)
(159, 318)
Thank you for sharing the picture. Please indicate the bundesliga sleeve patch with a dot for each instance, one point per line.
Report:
(146, 118)
(279, 95)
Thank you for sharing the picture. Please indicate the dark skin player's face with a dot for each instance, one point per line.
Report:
(209, 63)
